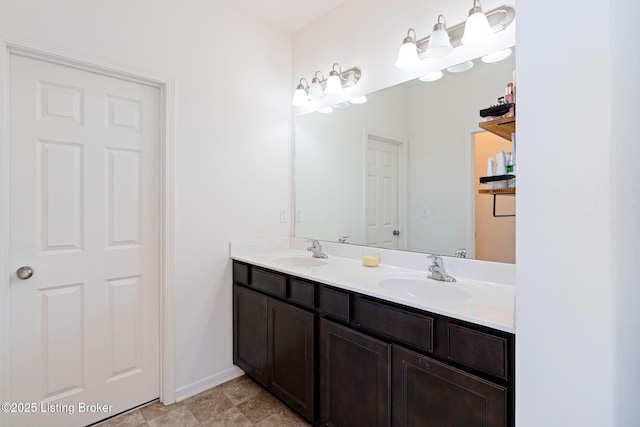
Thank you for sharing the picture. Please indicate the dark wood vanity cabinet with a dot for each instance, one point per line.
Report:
(355, 378)
(377, 363)
(427, 392)
(274, 343)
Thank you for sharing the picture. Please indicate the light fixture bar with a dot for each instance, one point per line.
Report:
(347, 78)
(499, 19)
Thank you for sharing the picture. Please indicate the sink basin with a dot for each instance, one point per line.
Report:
(425, 288)
(300, 262)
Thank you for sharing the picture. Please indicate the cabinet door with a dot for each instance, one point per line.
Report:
(354, 378)
(291, 356)
(250, 332)
(430, 393)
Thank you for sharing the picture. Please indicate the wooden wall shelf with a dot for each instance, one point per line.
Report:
(502, 127)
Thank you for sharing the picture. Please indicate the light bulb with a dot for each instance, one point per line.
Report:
(315, 90)
(358, 100)
(496, 56)
(460, 68)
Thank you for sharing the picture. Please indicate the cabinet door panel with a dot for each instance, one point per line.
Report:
(250, 332)
(430, 393)
(291, 356)
(354, 378)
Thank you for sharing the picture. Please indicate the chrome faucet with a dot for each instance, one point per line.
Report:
(316, 249)
(343, 239)
(437, 270)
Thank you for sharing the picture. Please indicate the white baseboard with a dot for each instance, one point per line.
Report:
(207, 383)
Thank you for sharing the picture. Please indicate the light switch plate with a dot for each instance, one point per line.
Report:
(284, 216)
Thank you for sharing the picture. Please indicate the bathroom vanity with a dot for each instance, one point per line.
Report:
(325, 340)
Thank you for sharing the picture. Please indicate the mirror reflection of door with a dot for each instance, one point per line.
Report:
(495, 237)
(381, 192)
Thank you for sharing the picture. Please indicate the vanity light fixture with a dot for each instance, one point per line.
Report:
(496, 56)
(439, 44)
(316, 92)
(300, 96)
(325, 110)
(408, 54)
(320, 86)
(334, 85)
(477, 28)
(413, 50)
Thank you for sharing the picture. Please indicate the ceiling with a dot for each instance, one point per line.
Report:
(287, 15)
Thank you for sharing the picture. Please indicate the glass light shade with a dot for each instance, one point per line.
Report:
(439, 44)
(334, 86)
(358, 100)
(300, 96)
(496, 56)
(431, 77)
(315, 90)
(476, 29)
(408, 55)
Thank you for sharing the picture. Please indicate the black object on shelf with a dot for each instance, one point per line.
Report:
(496, 110)
(485, 179)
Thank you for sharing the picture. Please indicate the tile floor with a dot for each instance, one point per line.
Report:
(237, 403)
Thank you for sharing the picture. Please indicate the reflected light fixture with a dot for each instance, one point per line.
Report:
(358, 100)
(461, 68)
(431, 77)
(477, 28)
(300, 95)
(439, 44)
(496, 56)
(408, 54)
(436, 45)
(320, 86)
(325, 110)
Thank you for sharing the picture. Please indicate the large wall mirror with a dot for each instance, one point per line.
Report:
(400, 171)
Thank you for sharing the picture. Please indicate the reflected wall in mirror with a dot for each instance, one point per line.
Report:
(398, 171)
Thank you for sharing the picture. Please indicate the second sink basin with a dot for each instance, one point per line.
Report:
(300, 262)
(425, 288)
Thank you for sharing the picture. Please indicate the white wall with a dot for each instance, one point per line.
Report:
(577, 207)
(232, 138)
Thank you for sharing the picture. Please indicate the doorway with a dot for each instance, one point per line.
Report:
(85, 220)
(385, 192)
(495, 237)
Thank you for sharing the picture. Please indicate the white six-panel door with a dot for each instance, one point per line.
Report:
(381, 193)
(84, 215)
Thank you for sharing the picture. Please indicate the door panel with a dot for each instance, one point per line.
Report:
(84, 202)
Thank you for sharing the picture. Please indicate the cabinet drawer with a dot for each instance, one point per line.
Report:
(240, 273)
(271, 283)
(404, 326)
(335, 303)
(479, 350)
(302, 293)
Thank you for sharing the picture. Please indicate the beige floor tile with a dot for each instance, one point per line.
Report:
(282, 419)
(229, 418)
(208, 404)
(261, 406)
(240, 389)
(179, 417)
(130, 419)
(157, 409)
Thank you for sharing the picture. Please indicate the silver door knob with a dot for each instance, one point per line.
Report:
(24, 272)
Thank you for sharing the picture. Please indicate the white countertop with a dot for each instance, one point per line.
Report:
(487, 303)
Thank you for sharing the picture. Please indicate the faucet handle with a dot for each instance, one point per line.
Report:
(437, 259)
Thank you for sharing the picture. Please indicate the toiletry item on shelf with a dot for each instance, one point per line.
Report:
(370, 258)
(513, 151)
(501, 168)
(490, 168)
